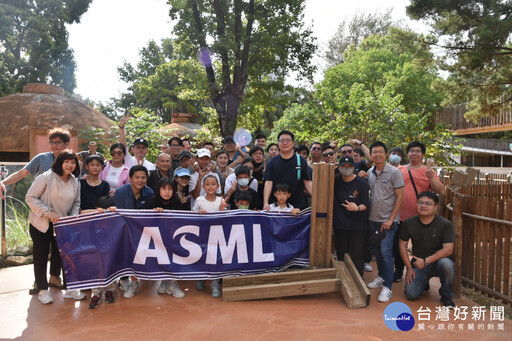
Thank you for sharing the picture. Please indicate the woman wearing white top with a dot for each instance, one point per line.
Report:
(115, 172)
(53, 194)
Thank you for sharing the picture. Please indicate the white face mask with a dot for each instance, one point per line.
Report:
(243, 182)
(347, 171)
(393, 158)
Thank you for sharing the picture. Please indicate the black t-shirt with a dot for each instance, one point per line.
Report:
(360, 166)
(89, 195)
(427, 239)
(154, 177)
(254, 204)
(284, 171)
(156, 201)
(354, 191)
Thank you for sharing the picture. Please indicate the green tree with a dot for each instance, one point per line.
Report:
(34, 42)
(475, 36)
(250, 40)
(354, 31)
(382, 91)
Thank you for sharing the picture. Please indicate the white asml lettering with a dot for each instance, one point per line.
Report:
(193, 249)
(143, 250)
(217, 240)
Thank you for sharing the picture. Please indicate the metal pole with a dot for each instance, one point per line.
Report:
(3, 172)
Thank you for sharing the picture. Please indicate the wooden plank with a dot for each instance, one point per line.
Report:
(506, 249)
(458, 178)
(361, 286)
(478, 249)
(499, 256)
(457, 225)
(484, 233)
(279, 277)
(472, 173)
(492, 244)
(349, 290)
(300, 288)
(321, 216)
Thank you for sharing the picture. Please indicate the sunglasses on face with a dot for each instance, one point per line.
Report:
(316, 148)
(347, 152)
(116, 153)
(328, 154)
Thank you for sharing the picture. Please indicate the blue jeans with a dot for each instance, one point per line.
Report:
(384, 253)
(443, 268)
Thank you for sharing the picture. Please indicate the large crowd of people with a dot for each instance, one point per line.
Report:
(382, 200)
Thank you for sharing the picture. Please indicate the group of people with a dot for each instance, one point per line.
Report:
(378, 208)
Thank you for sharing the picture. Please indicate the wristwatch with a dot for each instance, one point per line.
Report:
(425, 260)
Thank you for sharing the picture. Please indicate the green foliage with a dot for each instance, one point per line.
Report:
(17, 232)
(250, 40)
(382, 91)
(475, 36)
(360, 26)
(34, 43)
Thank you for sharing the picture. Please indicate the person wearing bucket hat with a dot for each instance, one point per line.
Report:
(140, 148)
(351, 200)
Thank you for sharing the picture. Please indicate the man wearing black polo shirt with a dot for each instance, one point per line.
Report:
(287, 168)
(433, 240)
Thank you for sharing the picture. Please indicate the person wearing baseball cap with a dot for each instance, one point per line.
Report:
(140, 148)
(351, 200)
(203, 167)
(185, 159)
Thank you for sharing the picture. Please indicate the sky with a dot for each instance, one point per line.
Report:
(114, 31)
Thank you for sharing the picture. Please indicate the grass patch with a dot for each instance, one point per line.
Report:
(17, 232)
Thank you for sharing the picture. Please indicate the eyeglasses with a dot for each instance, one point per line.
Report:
(175, 145)
(316, 148)
(57, 143)
(118, 153)
(350, 151)
(328, 154)
(415, 151)
(285, 140)
(425, 203)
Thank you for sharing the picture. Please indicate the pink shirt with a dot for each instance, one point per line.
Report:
(422, 182)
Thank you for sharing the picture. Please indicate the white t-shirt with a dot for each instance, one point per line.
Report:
(113, 176)
(202, 204)
(231, 179)
(192, 185)
(274, 207)
(130, 161)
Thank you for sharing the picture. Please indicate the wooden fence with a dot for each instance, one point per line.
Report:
(480, 178)
(482, 217)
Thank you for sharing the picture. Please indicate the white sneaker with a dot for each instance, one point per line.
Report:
(385, 295)
(133, 288)
(174, 289)
(377, 283)
(123, 284)
(163, 287)
(368, 267)
(74, 294)
(44, 297)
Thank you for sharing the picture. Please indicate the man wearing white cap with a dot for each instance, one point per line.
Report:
(203, 167)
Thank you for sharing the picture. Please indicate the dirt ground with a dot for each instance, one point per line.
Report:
(198, 316)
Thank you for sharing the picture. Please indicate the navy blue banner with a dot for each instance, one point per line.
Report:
(96, 249)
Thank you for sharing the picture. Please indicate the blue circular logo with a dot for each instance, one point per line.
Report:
(398, 316)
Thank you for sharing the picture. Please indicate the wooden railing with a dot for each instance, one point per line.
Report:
(454, 116)
(482, 220)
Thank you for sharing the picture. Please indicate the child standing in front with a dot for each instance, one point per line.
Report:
(282, 194)
(210, 202)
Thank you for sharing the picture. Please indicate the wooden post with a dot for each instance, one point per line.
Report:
(321, 216)
(459, 204)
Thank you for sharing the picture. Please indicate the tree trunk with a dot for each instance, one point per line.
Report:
(227, 106)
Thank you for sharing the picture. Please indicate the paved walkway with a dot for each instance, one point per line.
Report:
(149, 316)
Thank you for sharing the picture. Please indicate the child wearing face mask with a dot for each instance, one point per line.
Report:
(349, 219)
(243, 178)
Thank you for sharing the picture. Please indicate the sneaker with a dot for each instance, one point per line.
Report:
(44, 297)
(447, 302)
(174, 289)
(56, 282)
(397, 277)
(74, 294)
(109, 297)
(123, 284)
(215, 292)
(200, 285)
(133, 288)
(34, 290)
(95, 300)
(368, 267)
(377, 283)
(385, 295)
(162, 288)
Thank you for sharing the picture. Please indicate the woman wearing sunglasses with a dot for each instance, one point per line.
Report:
(116, 173)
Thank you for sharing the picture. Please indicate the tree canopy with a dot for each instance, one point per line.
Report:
(250, 40)
(34, 42)
(476, 38)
